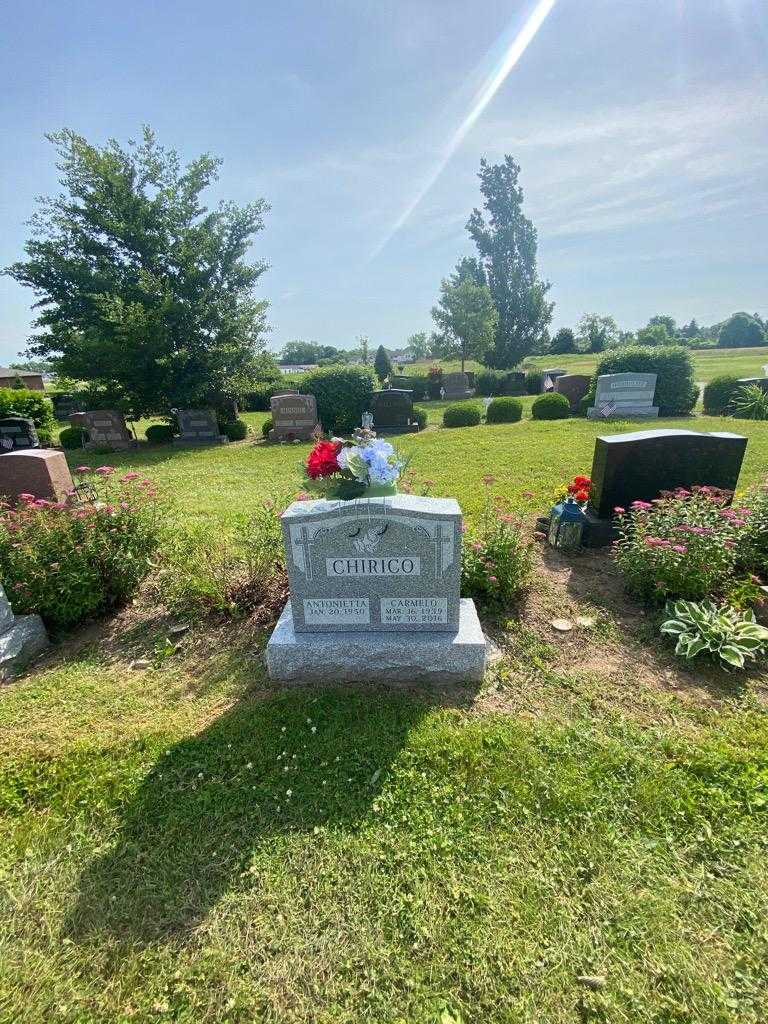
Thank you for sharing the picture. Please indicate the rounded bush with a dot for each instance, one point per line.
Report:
(719, 394)
(343, 394)
(533, 382)
(159, 433)
(71, 438)
(741, 331)
(419, 416)
(464, 414)
(266, 426)
(504, 410)
(235, 430)
(552, 406)
(257, 399)
(676, 391)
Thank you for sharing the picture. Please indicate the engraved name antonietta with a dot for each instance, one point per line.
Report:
(388, 566)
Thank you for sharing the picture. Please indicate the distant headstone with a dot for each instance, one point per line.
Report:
(624, 396)
(637, 466)
(22, 637)
(456, 385)
(377, 571)
(392, 412)
(574, 386)
(17, 432)
(65, 405)
(549, 376)
(470, 375)
(78, 419)
(400, 382)
(285, 391)
(106, 429)
(198, 426)
(514, 383)
(294, 417)
(761, 382)
(43, 472)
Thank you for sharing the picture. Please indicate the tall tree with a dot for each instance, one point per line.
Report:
(667, 322)
(141, 290)
(294, 352)
(363, 349)
(382, 364)
(469, 267)
(597, 332)
(506, 244)
(418, 345)
(466, 318)
(741, 331)
(563, 343)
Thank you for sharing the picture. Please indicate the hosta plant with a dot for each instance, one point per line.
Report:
(719, 631)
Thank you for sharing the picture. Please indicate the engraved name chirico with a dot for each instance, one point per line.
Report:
(390, 566)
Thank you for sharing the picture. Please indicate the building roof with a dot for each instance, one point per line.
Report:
(6, 372)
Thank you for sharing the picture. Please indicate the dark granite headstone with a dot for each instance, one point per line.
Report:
(65, 405)
(761, 382)
(574, 386)
(400, 382)
(16, 433)
(456, 385)
(637, 466)
(514, 383)
(198, 426)
(392, 412)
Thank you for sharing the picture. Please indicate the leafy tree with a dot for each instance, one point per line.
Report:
(418, 345)
(382, 364)
(466, 318)
(690, 330)
(597, 332)
(140, 288)
(654, 334)
(34, 366)
(363, 351)
(741, 331)
(299, 352)
(667, 322)
(563, 343)
(506, 243)
(469, 267)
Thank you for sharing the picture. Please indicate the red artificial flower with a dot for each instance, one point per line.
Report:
(573, 488)
(321, 461)
(582, 481)
(582, 495)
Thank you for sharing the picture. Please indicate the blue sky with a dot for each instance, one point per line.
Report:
(641, 127)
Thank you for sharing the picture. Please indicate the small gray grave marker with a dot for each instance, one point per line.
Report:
(624, 396)
(294, 417)
(106, 429)
(198, 426)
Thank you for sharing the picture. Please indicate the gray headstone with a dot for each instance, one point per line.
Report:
(392, 411)
(106, 429)
(379, 564)
(456, 385)
(197, 426)
(637, 466)
(761, 382)
(17, 433)
(7, 617)
(624, 395)
(20, 644)
(293, 417)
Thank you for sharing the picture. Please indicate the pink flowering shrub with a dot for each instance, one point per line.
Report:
(67, 560)
(681, 545)
(496, 559)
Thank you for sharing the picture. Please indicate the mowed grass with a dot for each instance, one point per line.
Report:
(185, 843)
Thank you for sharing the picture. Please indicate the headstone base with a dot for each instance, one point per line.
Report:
(598, 533)
(20, 644)
(626, 412)
(377, 656)
(184, 442)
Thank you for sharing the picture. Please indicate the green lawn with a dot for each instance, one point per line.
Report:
(186, 843)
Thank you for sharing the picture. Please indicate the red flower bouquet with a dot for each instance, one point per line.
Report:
(580, 489)
(322, 460)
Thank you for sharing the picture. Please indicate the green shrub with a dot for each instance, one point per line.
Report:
(33, 405)
(463, 414)
(343, 393)
(533, 382)
(419, 416)
(69, 562)
(753, 544)
(750, 403)
(257, 399)
(419, 385)
(489, 382)
(504, 410)
(496, 560)
(552, 406)
(159, 433)
(235, 430)
(676, 391)
(266, 426)
(71, 438)
(721, 632)
(718, 395)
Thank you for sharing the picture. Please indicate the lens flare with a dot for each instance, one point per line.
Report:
(485, 94)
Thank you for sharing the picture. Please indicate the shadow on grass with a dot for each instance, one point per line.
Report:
(300, 761)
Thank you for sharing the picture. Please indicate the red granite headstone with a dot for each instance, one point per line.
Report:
(38, 471)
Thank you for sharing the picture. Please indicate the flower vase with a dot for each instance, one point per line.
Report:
(379, 491)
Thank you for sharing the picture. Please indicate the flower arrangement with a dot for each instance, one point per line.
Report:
(350, 469)
(580, 489)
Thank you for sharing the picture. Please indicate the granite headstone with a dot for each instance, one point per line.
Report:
(17, 433)
(42, 472)
(624, 396)
(637, 466)
(549, 376)
(761, 382)
(514, 383)
(574, 386)
(294, 417)
(392, 411)
(106, 429)
(456, 385)
(198, 426)
(65, 405)
(22, 637)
